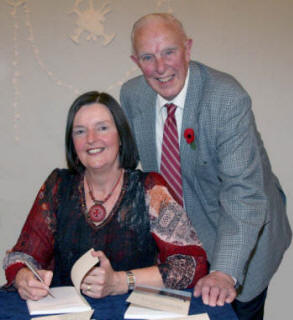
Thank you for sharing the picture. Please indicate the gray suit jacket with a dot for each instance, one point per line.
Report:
(233, 199)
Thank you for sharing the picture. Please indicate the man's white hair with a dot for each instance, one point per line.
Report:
(167, 17)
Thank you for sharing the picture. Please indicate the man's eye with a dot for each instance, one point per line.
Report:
(169, 52)
(146, 58)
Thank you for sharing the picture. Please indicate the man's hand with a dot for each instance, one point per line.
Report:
(216, 288)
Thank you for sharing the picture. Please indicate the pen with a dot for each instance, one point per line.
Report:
(36, 274)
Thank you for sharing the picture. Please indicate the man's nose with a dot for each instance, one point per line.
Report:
(160, 65)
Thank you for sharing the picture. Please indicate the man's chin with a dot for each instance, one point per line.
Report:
(165, 90)
(167, 95)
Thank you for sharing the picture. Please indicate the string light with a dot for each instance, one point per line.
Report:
(16, 74)
(36, 52)
(15, 67)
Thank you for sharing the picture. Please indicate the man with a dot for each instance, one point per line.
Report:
(231, 195)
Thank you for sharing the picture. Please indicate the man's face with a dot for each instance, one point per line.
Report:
(163, 54)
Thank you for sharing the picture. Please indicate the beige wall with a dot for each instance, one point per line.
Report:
(42, 70)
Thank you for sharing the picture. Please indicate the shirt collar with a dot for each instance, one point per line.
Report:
(179, 100)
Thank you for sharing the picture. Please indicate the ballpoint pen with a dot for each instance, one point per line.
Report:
(36, 274)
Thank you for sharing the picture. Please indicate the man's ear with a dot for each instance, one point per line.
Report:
(134, 59)
(188, 46)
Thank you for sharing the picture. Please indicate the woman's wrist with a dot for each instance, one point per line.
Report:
(125, 281)
(20, 275)
(12, 271)
(130, 277)
(120, 283)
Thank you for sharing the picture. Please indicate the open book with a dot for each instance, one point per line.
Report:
(147, 302)
(67, 299)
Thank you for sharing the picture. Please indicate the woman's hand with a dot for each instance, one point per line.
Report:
(102, 281)
(29, 287)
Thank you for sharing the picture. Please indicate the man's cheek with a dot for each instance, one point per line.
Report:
(147, 72)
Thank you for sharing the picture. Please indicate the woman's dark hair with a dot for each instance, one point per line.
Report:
(128, 155)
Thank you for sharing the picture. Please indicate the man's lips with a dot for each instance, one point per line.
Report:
(165, 79)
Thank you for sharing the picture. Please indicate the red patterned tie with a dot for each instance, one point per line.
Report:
(170, 160)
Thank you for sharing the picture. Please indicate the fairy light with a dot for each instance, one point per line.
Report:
(127, 76)
(36, 52)
(15, 68)
(16, 74)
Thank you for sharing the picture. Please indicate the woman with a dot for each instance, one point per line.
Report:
(139, 232)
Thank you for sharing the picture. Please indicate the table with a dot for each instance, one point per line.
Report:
(12, 307)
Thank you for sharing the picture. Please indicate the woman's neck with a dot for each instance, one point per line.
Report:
(102, 183)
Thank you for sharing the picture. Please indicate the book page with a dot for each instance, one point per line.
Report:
(137, 312)
(81, 267)
(170, 300)
(71, 316)
(66, 300)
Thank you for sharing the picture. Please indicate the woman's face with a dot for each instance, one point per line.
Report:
(95, 137)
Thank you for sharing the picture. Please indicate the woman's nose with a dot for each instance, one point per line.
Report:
(91, 136)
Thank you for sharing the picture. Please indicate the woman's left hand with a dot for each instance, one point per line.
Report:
(102, 281)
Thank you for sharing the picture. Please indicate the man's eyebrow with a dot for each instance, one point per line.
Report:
(170, 48)
(163, 50)
(145, 54)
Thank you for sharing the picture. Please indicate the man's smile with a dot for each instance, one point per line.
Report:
(165, 79)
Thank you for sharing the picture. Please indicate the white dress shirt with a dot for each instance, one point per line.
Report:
(161, 115)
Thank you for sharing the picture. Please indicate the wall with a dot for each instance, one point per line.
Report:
(43, 69)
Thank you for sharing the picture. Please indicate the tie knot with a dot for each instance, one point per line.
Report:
(171, 108)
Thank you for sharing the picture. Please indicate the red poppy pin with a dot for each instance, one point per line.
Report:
(189, 137)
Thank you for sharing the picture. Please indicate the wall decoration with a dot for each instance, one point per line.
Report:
(91, 21)
(162, 3)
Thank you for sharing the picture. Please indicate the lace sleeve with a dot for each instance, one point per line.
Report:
(182, 259)
(36, 241)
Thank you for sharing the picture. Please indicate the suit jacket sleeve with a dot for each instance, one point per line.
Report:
(241, 194)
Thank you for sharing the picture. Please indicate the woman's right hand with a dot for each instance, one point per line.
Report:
(29, 287)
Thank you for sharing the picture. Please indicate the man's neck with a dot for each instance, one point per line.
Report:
(180, 98)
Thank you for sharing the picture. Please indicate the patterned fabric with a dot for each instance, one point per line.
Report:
(145, 227)
(170, 161)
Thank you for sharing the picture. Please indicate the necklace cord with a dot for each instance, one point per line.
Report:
(108, 195)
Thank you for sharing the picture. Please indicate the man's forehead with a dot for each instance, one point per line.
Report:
(156, 35)
(157, 25)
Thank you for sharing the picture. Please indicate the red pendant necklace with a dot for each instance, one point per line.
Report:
(97, 212)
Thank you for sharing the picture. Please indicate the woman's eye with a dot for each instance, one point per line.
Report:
(102, 128)
(78, 132)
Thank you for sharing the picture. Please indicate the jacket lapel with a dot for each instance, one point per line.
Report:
(144, 126)
(190, 114)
